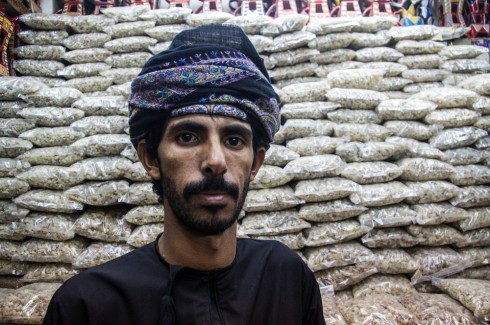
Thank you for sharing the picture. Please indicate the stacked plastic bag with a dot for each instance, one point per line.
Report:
(379, 177)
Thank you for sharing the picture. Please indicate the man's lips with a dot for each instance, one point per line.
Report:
(212, 197)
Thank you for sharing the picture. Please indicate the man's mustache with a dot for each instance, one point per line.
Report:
(217, 184)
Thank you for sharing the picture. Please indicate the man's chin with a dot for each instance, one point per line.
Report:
(212, 220)
(207, 229)
(214, 208)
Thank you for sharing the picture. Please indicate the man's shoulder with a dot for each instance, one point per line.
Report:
(121, 285)
(267, 244)
(122, 270)
(141, 258)
(273, 251)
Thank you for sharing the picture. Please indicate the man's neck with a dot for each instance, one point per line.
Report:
(180, 246)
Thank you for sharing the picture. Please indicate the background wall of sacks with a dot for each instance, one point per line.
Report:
(379, 176)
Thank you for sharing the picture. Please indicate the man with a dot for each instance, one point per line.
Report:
(202, 115)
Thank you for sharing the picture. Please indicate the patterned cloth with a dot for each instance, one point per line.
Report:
(197, 77)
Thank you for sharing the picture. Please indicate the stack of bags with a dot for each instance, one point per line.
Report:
(379, 177)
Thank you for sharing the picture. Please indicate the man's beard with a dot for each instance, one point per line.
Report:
(212, 225)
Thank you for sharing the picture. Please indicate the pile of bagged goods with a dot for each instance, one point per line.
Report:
(379, 177)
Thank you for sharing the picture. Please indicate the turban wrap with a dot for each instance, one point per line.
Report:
(212, 69)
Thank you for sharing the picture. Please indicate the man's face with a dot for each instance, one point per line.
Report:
(205, 164)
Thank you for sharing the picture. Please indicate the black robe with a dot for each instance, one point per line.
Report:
(267, 284)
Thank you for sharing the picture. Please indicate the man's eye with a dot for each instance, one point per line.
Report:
(235, 142)
(186, 137)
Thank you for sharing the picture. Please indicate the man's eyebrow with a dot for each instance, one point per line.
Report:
(194, 126)
(187, 126)
(237, 129)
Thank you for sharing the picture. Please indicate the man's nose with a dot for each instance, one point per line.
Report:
(214, 162)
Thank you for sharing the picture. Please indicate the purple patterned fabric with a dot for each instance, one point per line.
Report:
(164, 89)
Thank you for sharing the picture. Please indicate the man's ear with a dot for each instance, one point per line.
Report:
(258, 161)
(150, 163)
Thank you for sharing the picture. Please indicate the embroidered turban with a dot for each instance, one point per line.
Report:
(212, 69)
